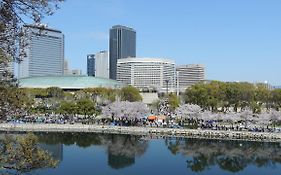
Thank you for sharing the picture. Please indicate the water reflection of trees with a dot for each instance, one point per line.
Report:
(233, 156)
(122, 149)
(83, 140)
(22, 154)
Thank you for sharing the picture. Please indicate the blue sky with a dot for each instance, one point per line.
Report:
(237, 40)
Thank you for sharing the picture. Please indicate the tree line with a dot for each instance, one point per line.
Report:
(85, 102)
(224, 96)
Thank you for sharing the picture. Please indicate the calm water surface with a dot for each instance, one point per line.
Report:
(125, 154)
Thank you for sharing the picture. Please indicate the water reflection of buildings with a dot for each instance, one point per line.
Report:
(56, 150)
(122, 150)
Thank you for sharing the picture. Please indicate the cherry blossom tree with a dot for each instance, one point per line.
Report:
(231, 118)
(246, 116)
(126, 110)
(275, 117)
(189, 111)
(208, 116)
(263, 119)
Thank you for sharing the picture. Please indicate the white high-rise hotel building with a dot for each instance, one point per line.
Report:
(44, 53)
(147, 73)
(188, 75)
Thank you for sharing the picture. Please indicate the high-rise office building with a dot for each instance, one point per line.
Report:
(188, 75)
(102, 64)
(91, 65)
(122, 44)
(44, 53)
(147, 73)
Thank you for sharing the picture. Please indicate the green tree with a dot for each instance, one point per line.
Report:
(173, 101)
(215, 95)
(101, 95)
(276, 99)
(13, 101)
(67, 108)
(55, 92)
(130, 93)
(197, 94)
(262, 94)
(86, 107)
(232, 96)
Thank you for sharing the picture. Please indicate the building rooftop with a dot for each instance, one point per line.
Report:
(145, 59)
(123, 27)
(41, 27)
(190, 66)
(68, 82)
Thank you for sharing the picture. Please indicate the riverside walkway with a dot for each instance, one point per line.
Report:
(146, 132)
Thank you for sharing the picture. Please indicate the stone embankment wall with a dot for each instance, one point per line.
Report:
(144, 131)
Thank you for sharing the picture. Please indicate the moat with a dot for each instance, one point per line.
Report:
(91, 153)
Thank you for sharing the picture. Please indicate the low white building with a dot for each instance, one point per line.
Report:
(147, 73)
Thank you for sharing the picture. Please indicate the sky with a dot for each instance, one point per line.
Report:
(236, 40)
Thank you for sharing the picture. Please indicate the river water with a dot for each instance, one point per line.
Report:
(106, 154)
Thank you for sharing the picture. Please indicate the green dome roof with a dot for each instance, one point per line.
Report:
(68, 82)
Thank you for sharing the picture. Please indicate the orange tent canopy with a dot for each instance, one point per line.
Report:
(151, 117)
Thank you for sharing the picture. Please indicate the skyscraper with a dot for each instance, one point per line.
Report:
(91, 65)
(102, 64)
(44, 53)
(122, 44)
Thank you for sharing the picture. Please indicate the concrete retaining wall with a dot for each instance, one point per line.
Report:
(144, 131)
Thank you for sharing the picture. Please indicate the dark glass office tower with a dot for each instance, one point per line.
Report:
(91, 65)
(122, 44)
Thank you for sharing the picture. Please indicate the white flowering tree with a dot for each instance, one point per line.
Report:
(125, 110)
(275, 117)
(189, 111)
(263, 119)
(218, 116)
(208, 116)
(246, 116)
(231, 118)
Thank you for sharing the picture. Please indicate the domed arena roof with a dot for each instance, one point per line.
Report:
(68, 82)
